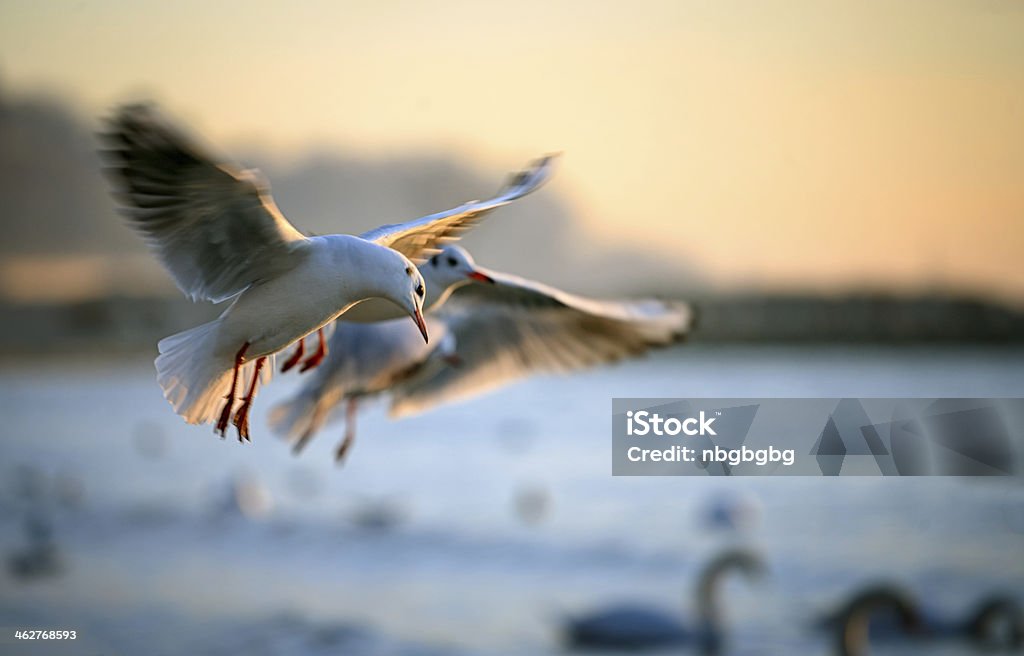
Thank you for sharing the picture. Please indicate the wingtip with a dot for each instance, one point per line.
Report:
(546, 162)
(130, 113)
(685, 316)
(536, 174)
(124, 126)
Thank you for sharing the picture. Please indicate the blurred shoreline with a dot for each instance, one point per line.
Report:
(128, 325)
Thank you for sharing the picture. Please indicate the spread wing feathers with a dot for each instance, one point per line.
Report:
(421, 238)
(517, 327)
(214, 227)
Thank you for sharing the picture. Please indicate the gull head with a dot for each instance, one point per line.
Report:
(451, 267)
(406, 288)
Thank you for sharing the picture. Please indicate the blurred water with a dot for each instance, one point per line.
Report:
(472, 529)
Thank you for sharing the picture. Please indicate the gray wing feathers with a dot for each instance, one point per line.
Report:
(523, 331)
(520, 294)
(421, 238)
(215, 228)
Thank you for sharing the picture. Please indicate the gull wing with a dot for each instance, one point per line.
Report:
(517, 327)
(214, 226)
(421, 238)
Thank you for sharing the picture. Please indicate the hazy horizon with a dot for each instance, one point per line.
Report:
(784, 147)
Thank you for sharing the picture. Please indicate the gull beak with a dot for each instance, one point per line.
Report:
(421, 324)
(481, 277)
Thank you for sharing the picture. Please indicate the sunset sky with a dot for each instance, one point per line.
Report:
(822, 145)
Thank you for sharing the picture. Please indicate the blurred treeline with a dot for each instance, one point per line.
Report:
(136, 324)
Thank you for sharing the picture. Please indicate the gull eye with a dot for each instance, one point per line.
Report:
(451, 261)
(419, 290)
(408, 271)
(433, 261)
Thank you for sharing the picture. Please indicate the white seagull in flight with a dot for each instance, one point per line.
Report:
(495, 329)
(217, 230)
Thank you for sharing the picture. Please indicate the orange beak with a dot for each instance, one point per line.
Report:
(421, 324)
(482, 277)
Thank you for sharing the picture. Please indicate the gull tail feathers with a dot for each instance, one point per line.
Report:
(195, 378)
(302, 416)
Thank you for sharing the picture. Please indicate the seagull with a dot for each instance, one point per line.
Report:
(490, 329)
(217, 230)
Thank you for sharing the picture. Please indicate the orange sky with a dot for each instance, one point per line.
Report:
(794, 144)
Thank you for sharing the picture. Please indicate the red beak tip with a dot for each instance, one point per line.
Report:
(476, 275)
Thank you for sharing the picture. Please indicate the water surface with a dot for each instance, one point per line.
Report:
(471, 529)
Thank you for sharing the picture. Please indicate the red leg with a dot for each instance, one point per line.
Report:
(318, 355)
(241, 421)
(225, 414)
(295, 357)
(350, 431)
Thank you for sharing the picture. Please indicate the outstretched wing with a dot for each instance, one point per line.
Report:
(421, 238)
(214, 227)
(517, 327)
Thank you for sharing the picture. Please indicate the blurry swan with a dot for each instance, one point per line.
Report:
(632, 627)
(495, 329)
(865, 615)
(886, 612)
(996, 623)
